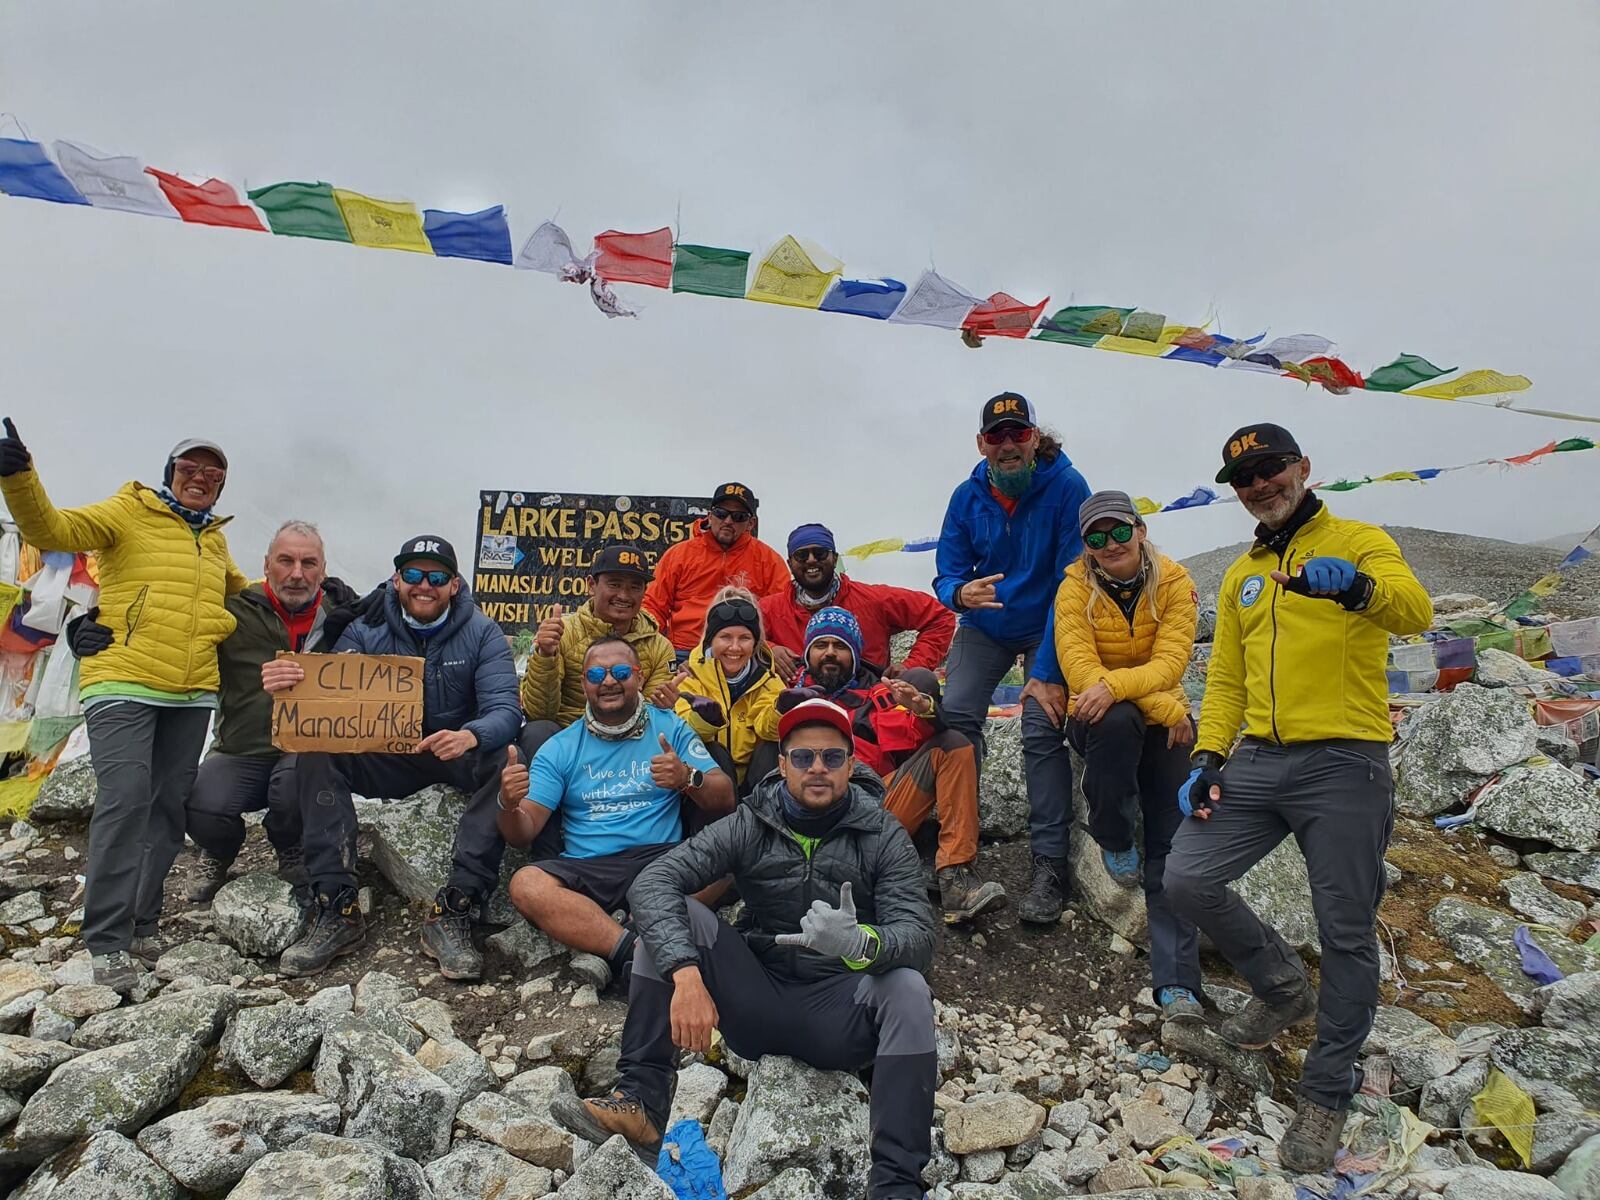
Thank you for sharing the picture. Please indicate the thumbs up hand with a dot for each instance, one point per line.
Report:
(14, 455)
(513, 781)
(667, 770)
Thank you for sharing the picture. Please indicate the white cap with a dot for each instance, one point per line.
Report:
(190, 444)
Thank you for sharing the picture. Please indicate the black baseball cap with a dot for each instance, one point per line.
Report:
(736, 491)
(427, 545)
(1254, 442)
(622, 559)
(1008, 408)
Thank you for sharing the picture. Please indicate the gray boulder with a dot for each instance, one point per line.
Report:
(523, 946)
(520, 1130)
(991, 1121)
(794, 1115)
(1483, 937)
(107, 1165)
(1571, 1003)
(1193, 1041)
(386, 1094)
(1580, 869)
(213, 962)
(68, 793)
(1444, 1098)
(1486, 1183)
(614, 1172)
(459, 1065)
(1457, 741)
(379, 989)
(120, 1088)
(538, 1087)
(271, 1043)
(1579, 1176)
(209, 1147)
(1544, 802)
(79, 1001)
(796, 1183)
(1500, 668)
(198, 1014)
(474, 1170)
(25, 1061)
(1424, 1057)
(1554, 1066)
(1527, 895)
(1002, 786)
(700, 1089)
(1557, 1134)
(1118, 908)
(322, 1167)
(258, 914)
(1279, 890)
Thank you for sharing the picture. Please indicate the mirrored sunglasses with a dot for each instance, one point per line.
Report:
(1120, 534)
(617, 671)
(415, 575)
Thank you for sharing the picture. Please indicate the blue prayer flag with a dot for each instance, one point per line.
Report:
(1196, 498)
(875, 298)
(26, 170)
(484, 235)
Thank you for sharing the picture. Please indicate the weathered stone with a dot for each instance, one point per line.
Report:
(1279, 890)
(1486, 1183)
(68, 793)
(1149, 1124)
(1580, 869)
(1424, 1057)
(1483, 937)
(476, 1170)
(198, 1014)
(523, 946)
(322, 1167)
(19, 910)
(212, 961)
(385, 1093)
(794, 1184)
(1557, 1134)
(45, 1024)
(1528, 895)
(1571, 1003)
(1392, 1025)
(1002, 787)
(80, 1001)
(1444, 1098)
(700, 1088)
(1579, 1176)
(19, 980)
(118, 1088)
(520, 1130)
(538, 1087)
(1264, 1187)
(1554, 1066)
(388, 1021)
(209, 1147)
(721, 1128)
(270, 1044)
(797, 1116)
(1458, 740)
(600, 1072)
(258, 914)
(1193, 1041)
(107, 1165)
(25, 1061)
(459, 1065)
(430, 1017)
(379, 989)
(614, 1172)
(1544, 802)
(990, 1122)
(1500, 668)
(1069, 1118)
(332, 1002)
(985, 1166)
(1117, 1176)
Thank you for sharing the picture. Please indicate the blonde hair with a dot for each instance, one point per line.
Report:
(1152, 580)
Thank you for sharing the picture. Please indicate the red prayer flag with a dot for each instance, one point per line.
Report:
(210, 203)
(1523, 460)
(635, 257)
(1332, 373)
(1003, 316)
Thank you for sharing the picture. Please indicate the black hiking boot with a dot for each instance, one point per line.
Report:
(1047, 893)
(337, 928)
(209, 874)
(1312, 1139)
(1255, 1025)
(447, 936)
(962, 896)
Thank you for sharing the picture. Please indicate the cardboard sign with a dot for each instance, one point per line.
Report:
(535, 548)
(351, 704)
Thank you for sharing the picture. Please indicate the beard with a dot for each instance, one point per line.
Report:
(1013, 483)
(1275, 510)
(832, 676)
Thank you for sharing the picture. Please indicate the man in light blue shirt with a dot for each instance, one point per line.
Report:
(624, 778)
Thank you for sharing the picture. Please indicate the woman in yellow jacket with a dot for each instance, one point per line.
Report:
(728, 691)
(1125, 621)
(148, 695)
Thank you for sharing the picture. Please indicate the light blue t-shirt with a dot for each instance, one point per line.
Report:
(603, 788)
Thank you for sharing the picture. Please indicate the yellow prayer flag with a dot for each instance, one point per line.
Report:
(1510, 1110)
(10, 593)
(1397, 476)
(382, 224)
(1473, 383)
(1144, 506)
(881, 546)
(17, 796)
(14, 736)
(794, 274)
(1149, 349)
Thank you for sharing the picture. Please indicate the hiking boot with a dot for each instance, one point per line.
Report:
(1047, 893)
(447, 936)
(963, 897)
(1312, 1139)
(209, 874)
(337, 928)
(1123, 867)
(1255, 1025)
(292, 864)
(145, 948)
(604, 1117)
(1180, 1004)
(591, 968)
(116, 971)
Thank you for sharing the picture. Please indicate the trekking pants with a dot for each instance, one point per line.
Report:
(1336, 798)
(840, 1022)
(229, 785)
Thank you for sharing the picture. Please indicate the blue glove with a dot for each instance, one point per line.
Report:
(1194, 796)
(1324, 577)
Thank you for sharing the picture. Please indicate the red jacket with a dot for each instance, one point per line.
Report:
(881, 611)
(690, 573)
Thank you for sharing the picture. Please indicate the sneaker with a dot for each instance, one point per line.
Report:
(604, 1117)
(1180, 1004)
(591, 968)
(1312, 1138)
(1255, 1025)
(963, 897)
(116, 971)
(1123, 867)
(337, 929)
(447, 936)
(1047, 893)
(210, 873)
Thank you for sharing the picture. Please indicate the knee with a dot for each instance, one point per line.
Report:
(924, 680)
(1039, 732)
(534, 735)
(903, 1005)
(1123, 717)
(1186, 888)
(530, 891)
(703, 924)
(902, 990)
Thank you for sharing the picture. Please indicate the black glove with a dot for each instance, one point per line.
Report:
(789, 697)
(1194, 797)
(14, 455)
(86, 636)
(708, 710)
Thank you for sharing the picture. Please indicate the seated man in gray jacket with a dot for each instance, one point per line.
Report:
(829, 969)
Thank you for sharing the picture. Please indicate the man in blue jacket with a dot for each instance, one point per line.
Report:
(1009, 533)
(470, 714)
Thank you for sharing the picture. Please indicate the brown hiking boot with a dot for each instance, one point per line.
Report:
(962, 896)
(1255, 1025)
(604, 1117)
(210, 873)
(1313, 1138)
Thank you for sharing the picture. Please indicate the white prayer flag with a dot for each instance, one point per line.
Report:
(549, 249)
(1295, 348)
(112, 180)
(934, 300)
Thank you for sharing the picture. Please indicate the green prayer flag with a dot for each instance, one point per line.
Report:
(1082, 324)
(710, 270)
(302, 210)
(1574, 444)
(1500, 639)
(1406, 371)
(1344, 485)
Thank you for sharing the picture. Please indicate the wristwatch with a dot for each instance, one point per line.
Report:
(697, 777)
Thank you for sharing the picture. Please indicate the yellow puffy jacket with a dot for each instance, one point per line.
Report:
(1293, 668)
(161, 586)
(1142, 660)
(552, 688)
(753, 719)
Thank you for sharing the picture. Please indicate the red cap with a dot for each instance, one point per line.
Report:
(816, 712)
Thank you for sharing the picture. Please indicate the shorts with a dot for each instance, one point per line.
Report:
(606, 878)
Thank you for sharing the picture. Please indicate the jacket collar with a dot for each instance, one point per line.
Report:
(1277, 540)
(644, 625)
(461, 609)
(151, 499)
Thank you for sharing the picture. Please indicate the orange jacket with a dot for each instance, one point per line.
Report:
(689, 574)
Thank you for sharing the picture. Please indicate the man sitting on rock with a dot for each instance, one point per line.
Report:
(470, 715)
(619, 778)
(828, 969)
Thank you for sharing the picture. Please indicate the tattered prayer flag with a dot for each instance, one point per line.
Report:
(482, 235)
(709, 270)
(1345, 485)
(1295, 348)
(1521, 460)
(210, 203)
(382, 224)
(881, 546)
(302, 210)
(874, 298)
(112, 181)
(1146, 326)
(1406, 371)
(793, 273)
(1197, 346)
(644, 258)
(1473, 383)
(1144, 506)
(1082, 324)
(1509, 1109)
(934, 300)
(548, 249)
(26, 170)
(1579, 443)
(1332, 373)
(1195, 499)
(1160, 345)
(1002, 315)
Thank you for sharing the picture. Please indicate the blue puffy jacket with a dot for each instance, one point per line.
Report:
(470, 680)
(1031, 548)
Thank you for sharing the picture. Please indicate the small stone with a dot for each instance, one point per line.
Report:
(79, 1001)
(459, 1065)
(26, 1061)
(378, 989)
(475, 1170)
(83, 1173)
(120, 1087)
(992, 1122)
(210, 961)
(518, 1130)
(1120, 1175)
(700, 1090)
(209, 1147)
(985, 1166)
(585, 997)
(258, 914)
(1121, 945)
(1150, 1124)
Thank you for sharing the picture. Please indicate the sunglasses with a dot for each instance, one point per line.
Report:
(183, 466)
(1020, 434)
(833, 758)
(728, 514)
(1121, 534)
(415, 575)
(617, 671)
(1265, 468)
(740, 612)
(811, 554)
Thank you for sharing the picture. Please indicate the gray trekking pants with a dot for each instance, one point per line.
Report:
(1336, 798)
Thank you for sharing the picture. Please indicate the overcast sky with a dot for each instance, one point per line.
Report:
(1416, 177)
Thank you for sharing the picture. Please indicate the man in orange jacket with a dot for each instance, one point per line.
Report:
(723, 551)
